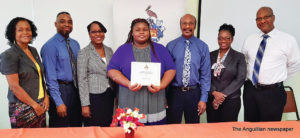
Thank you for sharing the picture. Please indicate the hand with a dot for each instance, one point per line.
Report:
(154, 89)
(38, 109)
(215, 104)
(201, 107)
(135, 87)
(86, 111)
(166, 104)
(219, 97)
(62, 110)
(45, 103)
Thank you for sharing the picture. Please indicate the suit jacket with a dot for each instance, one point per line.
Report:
(15, 61)
(91, 71)
(232, 76)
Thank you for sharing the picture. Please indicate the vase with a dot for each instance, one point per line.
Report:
(130, 135)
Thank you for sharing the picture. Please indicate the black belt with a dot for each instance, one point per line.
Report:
(64, 82)
(185, 89)
(267, 86)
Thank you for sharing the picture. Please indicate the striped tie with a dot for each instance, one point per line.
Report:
(73, 64)
(186, 65)
(259, 57)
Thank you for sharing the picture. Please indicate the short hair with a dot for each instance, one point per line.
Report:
(190, 15)
(103, 29)
(269, 9)
(227, 27)
(10, 33)
(63, 12)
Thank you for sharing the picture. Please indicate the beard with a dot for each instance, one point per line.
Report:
(64, 33)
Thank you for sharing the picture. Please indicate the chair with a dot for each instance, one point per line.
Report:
(290, 105)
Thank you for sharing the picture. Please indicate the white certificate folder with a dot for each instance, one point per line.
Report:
(145, 73)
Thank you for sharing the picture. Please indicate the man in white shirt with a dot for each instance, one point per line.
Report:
(272, 56)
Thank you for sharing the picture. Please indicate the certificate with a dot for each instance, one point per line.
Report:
(145, 73)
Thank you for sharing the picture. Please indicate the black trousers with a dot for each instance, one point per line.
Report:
(101, 107)
(263, 104)
(228, 111)
(70, 97)
(180, 102)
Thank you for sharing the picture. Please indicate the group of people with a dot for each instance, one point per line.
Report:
(81, 86)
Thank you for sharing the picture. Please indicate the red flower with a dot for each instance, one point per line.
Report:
(127, 118)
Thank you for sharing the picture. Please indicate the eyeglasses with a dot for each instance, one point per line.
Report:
(265, 18)
(224, 38)
(95, 32)
(188, 23)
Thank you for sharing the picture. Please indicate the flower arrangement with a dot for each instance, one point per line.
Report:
(128, 119)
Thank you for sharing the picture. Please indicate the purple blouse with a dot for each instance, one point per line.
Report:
(122, 58)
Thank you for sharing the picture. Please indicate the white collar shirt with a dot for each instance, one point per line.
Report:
(281, 57)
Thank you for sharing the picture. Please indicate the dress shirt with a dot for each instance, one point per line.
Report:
(57, 64)
(281, 57)
(91, 71)
(200, 63)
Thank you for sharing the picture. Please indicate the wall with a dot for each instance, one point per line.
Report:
(214, 13)
(43, 14)
(241, 14)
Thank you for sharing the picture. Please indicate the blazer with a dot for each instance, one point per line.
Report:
(91, 71)
(15, 61)
(232, 76)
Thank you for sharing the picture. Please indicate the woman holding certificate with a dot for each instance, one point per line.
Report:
(228, 76)
(139, 47)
